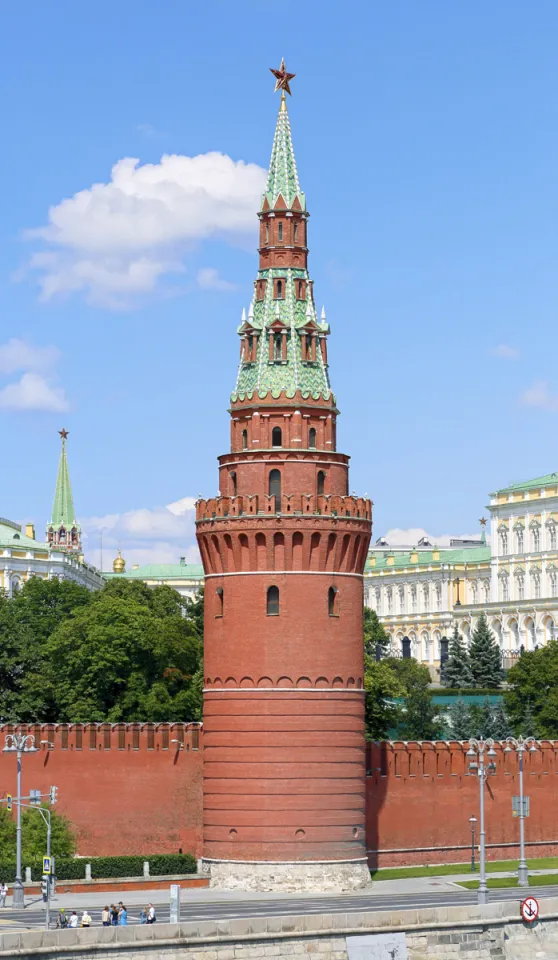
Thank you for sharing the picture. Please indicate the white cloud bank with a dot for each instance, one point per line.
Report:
(397, 537)
(115, 241)
(540, 396)
(147, 535)
(36, 389)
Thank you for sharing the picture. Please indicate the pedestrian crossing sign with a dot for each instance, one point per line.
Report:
(47, 865)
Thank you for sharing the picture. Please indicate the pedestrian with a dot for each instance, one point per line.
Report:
(105, 917)
(143, 915)
(123, 917)
(62, 920)
(151, 918)
(114, 915)
(86, 919)
(3, 894)
(73, 920)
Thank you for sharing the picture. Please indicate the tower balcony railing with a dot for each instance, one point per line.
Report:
(295, 504)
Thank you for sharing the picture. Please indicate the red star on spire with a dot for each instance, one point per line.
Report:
(63, 433)
(282, 78)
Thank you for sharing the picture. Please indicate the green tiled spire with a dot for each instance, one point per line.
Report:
(63, 512)
(282, 179)
(262, 377)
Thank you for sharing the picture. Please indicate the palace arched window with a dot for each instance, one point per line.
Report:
(332, 601)
(519, 539)
(536, 581)
(273, 601)
(504, 541)
(389, 598)
(244, 439)
(312, 438)
(520, 586)
(552, 535)
(321, 483)
(275, 488)
(553, 576)
(504, 589)
(536, 538)
(276, 437)
(438, 596)
(401, 592)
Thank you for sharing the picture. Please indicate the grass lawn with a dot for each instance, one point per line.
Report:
(545, 880)
(449, 869)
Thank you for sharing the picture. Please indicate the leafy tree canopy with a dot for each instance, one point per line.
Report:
(34, 835)
(374, 634)
(532, 696)
(382, 686)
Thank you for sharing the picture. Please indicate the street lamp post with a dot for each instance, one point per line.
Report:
(473, 822)
(520, 745)
(477, 751)
(19, 744)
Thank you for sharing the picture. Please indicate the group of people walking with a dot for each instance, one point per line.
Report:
(114, 916)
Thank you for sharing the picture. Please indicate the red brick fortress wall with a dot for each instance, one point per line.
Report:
(420, 797)
(127, 788)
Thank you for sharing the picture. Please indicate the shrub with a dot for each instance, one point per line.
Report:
(107, 867)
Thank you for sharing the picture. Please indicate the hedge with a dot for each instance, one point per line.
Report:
(108, 867)
(465, 692)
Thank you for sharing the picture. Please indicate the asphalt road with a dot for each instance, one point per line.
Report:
(33, 915)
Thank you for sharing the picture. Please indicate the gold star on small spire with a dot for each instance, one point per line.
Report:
(63, 433)
(282, 79)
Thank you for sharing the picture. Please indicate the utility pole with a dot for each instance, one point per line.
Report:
(477, 750)
(19, 744)
(520, 745)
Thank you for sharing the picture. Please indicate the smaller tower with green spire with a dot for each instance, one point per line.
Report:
(63, 531)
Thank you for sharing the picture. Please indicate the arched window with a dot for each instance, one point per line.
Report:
(233, 478)
(244, 439)
(279, 290)
(321, 483)
(401, 592)
(503, 541)
(551, 526)
(553, 583)
(312, 438)
(389, 598)
(519, 539)
(279, 231)
(276, 437)
(273, 601)
(536, 538)
(520, 582)
(275, 488)
(332, 601)
(220, 595)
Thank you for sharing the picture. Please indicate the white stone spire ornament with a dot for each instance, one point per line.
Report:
(323, 315)
(243, 319)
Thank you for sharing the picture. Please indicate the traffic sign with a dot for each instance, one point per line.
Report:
(529, 909)
(516, 806)
(47, 865)
(8, 801)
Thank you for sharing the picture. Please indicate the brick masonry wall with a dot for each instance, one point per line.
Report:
(128, 789)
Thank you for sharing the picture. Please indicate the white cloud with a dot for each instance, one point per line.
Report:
(19, 355)
(147, 535)
(505, 352)
(115, 241)
(209, 279)
(397, 537)
(539, 396)
(33, 392)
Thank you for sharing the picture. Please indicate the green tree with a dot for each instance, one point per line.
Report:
(501, 726)
(458, 721)
(418, 718)
(484, 656)
(131, 654)
(532, 696)
(457, 668)
(374, 634)
(382, 686)
(34, 835)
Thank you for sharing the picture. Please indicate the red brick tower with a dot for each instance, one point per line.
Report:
(283, 550)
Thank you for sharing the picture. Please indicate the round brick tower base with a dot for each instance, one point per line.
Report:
(334, 876)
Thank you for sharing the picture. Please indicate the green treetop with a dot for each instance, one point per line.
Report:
(457, 668)
(484, 656)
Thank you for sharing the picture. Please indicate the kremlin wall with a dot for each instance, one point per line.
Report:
(137, 789)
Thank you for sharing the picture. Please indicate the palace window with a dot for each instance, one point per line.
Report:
(474, 591)
(519, 539)
(553, 582)
(273, 601)
(426, 596)
(504, 541)
(312, 438)
(551, 527)
(414, 598)
(486, 588)
(378, 595)
(536, 538)
(520, 586)
(389, 598)
(504, 588)
(276, 437)
(332, 602)
(536, 578)
(438, 596)
(401, 591)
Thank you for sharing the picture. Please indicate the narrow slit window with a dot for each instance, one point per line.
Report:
(244, 439)
(276, 437)
(267, 233)
(312, 438)
(279, 290)
(295, 231)
(233, 478)
(273, 601)
(321, 483)
(277, 347)
(332, 601)
(220, 602)
(275, 488)
(279, 231)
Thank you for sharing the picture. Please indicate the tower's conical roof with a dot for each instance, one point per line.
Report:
(282, 179)
(63, 513)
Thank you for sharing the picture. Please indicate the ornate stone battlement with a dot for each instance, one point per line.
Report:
(290, 504)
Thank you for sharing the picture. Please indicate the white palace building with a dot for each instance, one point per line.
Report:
(420, 592)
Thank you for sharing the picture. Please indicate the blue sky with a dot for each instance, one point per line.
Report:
(426, 138)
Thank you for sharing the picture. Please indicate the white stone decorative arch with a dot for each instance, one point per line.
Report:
(496, 627)
(549, 629)
(512, 626)
(529, 632)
